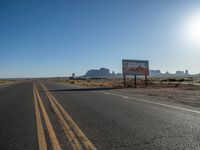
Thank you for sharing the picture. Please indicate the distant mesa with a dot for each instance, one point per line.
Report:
(100, 73)
(105, 73)
(155, 72)
(167, 74)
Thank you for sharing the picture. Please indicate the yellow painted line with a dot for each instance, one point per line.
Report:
(87, 143)
(68, 132)
(52, 135)
(40, 129)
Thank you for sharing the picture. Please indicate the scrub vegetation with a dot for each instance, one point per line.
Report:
(183, 83)
(5, 82)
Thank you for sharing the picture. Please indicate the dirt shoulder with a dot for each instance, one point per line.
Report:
(176, 95)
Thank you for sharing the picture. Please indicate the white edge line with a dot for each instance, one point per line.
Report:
(156, 103)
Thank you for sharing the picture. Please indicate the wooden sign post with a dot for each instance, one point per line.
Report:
(145, 80)
(125, 81)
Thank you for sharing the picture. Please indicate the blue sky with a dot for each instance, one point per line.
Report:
(58, 38)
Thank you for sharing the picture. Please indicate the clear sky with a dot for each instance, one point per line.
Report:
(58, 38)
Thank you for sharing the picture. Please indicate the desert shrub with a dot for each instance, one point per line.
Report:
(88, 80)
(173, 80)
(182, 80)
(72, 82)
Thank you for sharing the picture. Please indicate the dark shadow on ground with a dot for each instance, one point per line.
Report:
(82, 89)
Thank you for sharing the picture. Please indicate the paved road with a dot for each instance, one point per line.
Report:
(47, 115)
(17, 121)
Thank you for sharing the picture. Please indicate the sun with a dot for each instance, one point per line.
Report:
(192, 29)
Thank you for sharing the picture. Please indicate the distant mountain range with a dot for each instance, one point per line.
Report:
(104, 72)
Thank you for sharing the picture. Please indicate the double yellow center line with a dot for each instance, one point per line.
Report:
(74, 134)
(41, 135)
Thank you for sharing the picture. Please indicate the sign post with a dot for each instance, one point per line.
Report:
(136, 68)
(135, 80)
(145, 80)
(124, 81)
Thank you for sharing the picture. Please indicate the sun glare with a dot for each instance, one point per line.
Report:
(191, 30)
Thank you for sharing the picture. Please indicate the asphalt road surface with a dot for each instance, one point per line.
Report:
(45, 115)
